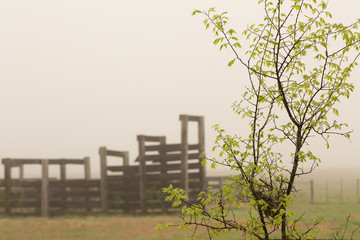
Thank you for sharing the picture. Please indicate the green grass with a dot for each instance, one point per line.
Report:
(143, 228)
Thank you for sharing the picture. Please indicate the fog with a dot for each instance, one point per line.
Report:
(77, 75)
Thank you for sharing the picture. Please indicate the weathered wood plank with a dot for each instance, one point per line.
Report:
(194, 118)
(170, 147)
(76, 205)
(124, 185)
(170, 157)
(85, 194)
(66, 161)
(104, 193)
(21, 171)
(201, 136)
(7, 185)
(19, 161)
(152, 138)
(27, 185)
(194, 175)
(123, 206)
(62, 171)
(126, 169)
(114, 153)
(25, 204)
(24, 195)
(164, 147)
(87, 168)
(122, 178)
(76, 183)
(142, 171)
(45, 189)
(184, 152)
(159, 177)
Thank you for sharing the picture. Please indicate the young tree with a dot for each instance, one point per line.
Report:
(298, 67)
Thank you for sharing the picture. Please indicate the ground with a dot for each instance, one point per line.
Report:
(143, 227)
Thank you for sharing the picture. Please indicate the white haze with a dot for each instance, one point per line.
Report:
(77, 75)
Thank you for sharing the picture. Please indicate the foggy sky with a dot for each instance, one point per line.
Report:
(77, 75)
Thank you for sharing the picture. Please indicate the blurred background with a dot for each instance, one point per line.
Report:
(77, 75)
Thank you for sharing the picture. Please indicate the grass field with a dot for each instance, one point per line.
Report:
(143, 227)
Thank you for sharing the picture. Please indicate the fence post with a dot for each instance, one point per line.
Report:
(63, 178)
(87, 177)
(127, 174)
(62, 171)
(45, 188)
(163, 172)
(312, 191)
(184, 153)
(7, 185)
(21, 171)
(163, 164)
(103, 180)
(126, 158)
(142, 173)
(201, 133)
(87, 168)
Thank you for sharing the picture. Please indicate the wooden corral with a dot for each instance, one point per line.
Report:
(129, 188)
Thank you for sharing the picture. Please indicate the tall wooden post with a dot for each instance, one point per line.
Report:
(7, 185)
(163, 164)
(127, 172)
(184, 152)
(126, 158)
(63, 178)
(142, 173)
(87, 177)
(103, 180)
(312, 191)
(163, 172)
(45, 188)
(21, 171)
(87, 168)
(201, 133)
(62, 171)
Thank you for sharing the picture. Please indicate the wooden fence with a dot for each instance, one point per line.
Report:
(329, 191)
(130, 188)
(44, 195)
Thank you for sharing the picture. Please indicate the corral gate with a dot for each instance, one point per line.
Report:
(138, 187)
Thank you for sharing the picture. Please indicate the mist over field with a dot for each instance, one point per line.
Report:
(77, 75)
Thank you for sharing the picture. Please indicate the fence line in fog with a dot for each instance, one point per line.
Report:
(325, 192)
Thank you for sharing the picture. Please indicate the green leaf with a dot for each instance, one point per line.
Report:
(336, 112)
(216, 41)
(231, 62)
(296, 7)
(195, 12)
